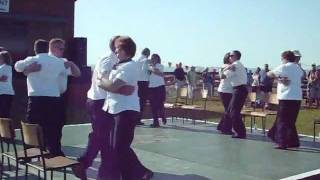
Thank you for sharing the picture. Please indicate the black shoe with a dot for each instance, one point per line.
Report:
(147, 175)
(140, 123)
(154, 125)
(227, 132)
(164, 121)
(282, 147)
(239, 137)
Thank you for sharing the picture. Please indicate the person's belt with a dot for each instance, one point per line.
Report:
(240, 86)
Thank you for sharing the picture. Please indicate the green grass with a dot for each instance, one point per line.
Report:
(304, 122)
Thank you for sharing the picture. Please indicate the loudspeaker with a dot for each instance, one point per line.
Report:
(78, 51)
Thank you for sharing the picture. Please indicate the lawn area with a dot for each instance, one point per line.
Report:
(304, 123)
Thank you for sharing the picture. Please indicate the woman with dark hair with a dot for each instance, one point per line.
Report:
(157, 90)
(225, 92)
(289, 94)
(6, 89)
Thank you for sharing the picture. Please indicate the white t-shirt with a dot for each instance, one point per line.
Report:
(45, 81)
(156, 80)
(6, 87)
(225, 85)
(144, 68)
(63, 78)
(293, 90)
(104, 66)
(237, 77)
(116, 103)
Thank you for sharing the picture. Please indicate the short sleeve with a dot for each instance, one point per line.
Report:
(278, 71)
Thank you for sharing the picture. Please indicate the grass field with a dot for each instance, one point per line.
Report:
(304, 123)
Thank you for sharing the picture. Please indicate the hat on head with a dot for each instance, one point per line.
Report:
(296, 53)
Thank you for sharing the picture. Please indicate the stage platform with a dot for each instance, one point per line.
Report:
(198, 152)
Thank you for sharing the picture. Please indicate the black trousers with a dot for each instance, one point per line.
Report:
(62, 116)
(5, 105)
(124, 162)
(225, 98)
(143, 93)
(99, 138)
(157, 97)
(283, 131)
(45, 111)
(233, 117)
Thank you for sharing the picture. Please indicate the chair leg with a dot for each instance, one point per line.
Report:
(64, 173)
(314, 132)
(17, 169)
(26, 172)
(1, 170)
(45, 175)
(264, 126)
(251, 124)
(8, 159)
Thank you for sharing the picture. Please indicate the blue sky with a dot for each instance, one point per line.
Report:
(200, 32)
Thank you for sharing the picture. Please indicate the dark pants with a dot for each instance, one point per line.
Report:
(157, 97)
(5, 105)
(62, 116)
(143, 93)
(225, 98)
(98, 140)
(124, 162)
(283, 131)
(233, 118)
(45, 111)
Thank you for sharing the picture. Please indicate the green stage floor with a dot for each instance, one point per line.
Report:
(187, 152)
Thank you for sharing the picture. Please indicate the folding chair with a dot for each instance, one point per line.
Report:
(32, 136)
(7, 136)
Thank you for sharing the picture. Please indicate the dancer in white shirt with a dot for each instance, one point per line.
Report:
(143, 82)
(237, 74)
(289, 94)
(44, 93)
(6, 89)
(157, 90)
(225, 92)
(125, 110)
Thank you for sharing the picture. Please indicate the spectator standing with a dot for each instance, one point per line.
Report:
(192, 79)
(266, 85)
(207, 81)
(180, 76)
(314, 86)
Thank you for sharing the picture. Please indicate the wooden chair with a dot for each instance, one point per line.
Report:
(183, 94)
(7, 136)
(32, 136)
(315, 123)
(195, 112)
(263, 113)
